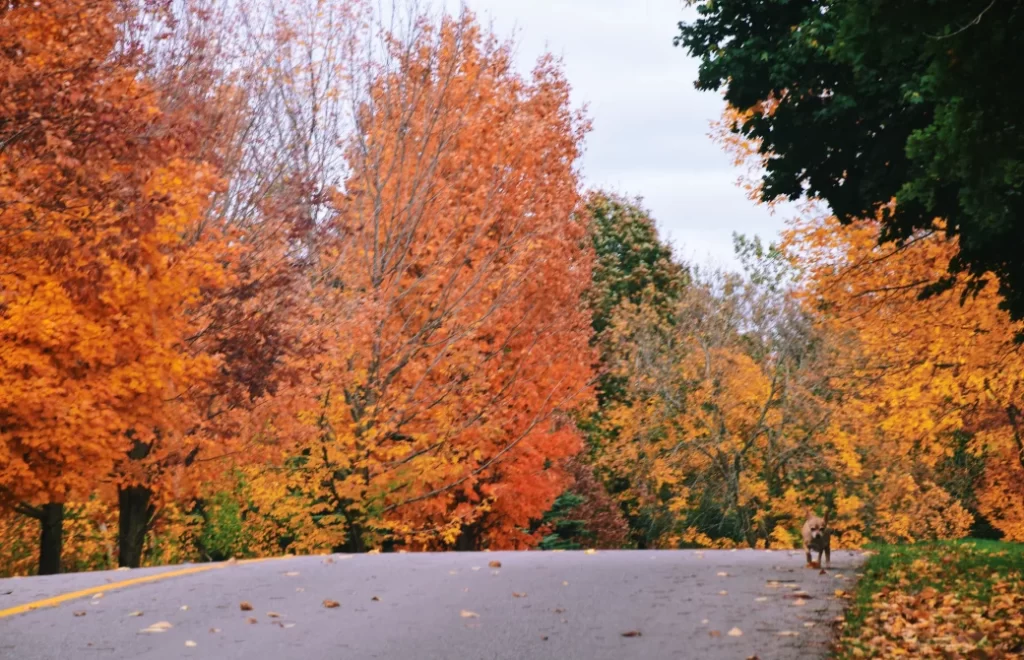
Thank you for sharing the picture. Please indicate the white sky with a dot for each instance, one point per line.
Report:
(650, 124)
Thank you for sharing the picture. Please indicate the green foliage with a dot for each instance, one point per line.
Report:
(632, 263)
(872, 101)
(223, 534)
(566, 533)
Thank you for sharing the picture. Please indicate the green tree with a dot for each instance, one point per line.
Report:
(861, 102)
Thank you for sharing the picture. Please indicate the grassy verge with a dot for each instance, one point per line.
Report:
(961, 599)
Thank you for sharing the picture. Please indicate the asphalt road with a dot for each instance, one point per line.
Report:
(568, 605)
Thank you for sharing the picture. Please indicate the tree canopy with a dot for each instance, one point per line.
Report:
(862, 102)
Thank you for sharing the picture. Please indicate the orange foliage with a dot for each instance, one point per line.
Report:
(922, 369)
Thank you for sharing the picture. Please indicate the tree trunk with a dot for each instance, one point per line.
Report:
(354, 538)
(469, 538)
(51, 538)
(136, 512)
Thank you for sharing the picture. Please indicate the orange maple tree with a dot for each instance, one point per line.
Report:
(95, 202)
(458, 341)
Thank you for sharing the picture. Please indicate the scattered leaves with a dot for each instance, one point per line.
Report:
(189, 643)
(466, 614)
(516, 594)
(494, 563)
(735, 632)
(245, 606)
(631, 633)
(251, 619)
(273, 615)
(79, 613)
(331, 604)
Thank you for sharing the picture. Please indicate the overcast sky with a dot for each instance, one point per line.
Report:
(650, 124)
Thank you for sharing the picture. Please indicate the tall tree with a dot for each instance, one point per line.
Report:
(861, 102)
(454, 272)
(94, 202)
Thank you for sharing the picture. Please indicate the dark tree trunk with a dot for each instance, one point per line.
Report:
(135, 511)
(469, 538)
(354, 539)
(51, 538)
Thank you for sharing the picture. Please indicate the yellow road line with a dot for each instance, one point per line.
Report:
(72, 595)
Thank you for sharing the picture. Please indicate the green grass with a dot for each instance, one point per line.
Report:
(970, 570)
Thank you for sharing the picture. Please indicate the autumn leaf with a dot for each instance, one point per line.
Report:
(245, 606)
(330, 604)
(158, 627)
(735, 632)
(494, 564)
(631, 633)
(467, 614)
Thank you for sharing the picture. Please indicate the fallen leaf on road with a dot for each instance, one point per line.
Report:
(704, 621)
(292, 573)
(273, 615)
(453, 572)
(631, 633)
(331, 604)
(735, 632)
(543, 638)
(773, 585)
(591, 551)
(723, 592)
(245, 606)
(787, 633)
(558, 610)
(97, 595)
(564, 583)
(190, 643)
(135, 613)
(215, 630)
(474, 568)
(840, 593)
(722, 574)
(300, 589)
(376, 598)
(158, 627)
(79, 613)
(799, 602)
(761, 599)
(375, 551)
(329, 560)
(466, 614)
(494, 564)
(715, 633)
(251, 620)
(808, 624)
(287, 625)
(184, 608)
(516, 594)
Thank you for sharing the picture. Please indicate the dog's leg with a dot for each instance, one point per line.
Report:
(807, 549)
(819, 558)
(828, 556)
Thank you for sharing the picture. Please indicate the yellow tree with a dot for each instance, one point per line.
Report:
(924, 369)
(722, 437)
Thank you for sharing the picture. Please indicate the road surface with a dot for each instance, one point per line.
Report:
(568, 605)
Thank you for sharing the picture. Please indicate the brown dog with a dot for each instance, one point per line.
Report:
(817, 538)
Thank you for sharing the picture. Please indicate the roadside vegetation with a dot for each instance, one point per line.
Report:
(957, 599)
